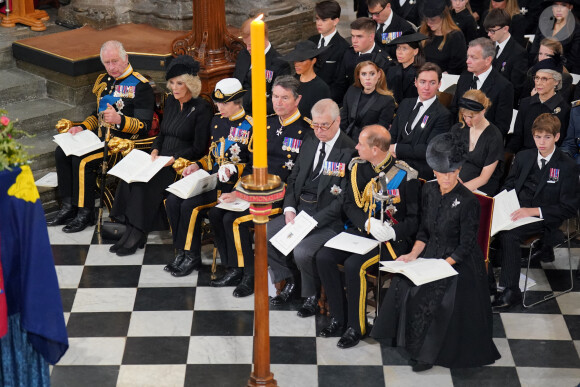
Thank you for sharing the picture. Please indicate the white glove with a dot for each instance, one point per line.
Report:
(222, 172)
(380, 231)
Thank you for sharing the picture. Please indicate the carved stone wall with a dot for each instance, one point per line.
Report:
(289, 21)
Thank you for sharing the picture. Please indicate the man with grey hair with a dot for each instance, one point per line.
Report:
(481, 75)
(315, 186)
(125, 105)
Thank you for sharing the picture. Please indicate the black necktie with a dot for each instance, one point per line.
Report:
(316, 171)
(409, 126)
(474, 83)
(496, 51)
(543, 161)
(321, 42)
(380, 29)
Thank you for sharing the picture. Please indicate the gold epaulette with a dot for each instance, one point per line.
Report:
(411, 173)
(575, 103)
(308, 120)
(140, 77)
(355, 160)
(99, 86)
(250, 119)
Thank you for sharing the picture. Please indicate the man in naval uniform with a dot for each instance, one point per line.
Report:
(231, 135)
(125, 103)
(285, 131)
(396, 232)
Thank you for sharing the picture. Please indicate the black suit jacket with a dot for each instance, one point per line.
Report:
(329, 205)
(398, 24)
(412, 148)
(244, 75)
(513, 65)
(559, 200)
(498, 89)
(329, 61)
(409, 11)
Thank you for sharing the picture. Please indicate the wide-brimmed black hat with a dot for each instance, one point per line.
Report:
(183, 64)
(446, 152)
(305, 49)
(432, 8)
(227, 90)
(409, 37)
(553, 62)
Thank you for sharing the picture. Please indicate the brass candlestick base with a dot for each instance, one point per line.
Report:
(261, 190)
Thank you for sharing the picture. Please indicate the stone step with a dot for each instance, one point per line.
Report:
(6, 59)
(48, 195)
(41, 115)
(40, 148)
(17, 86)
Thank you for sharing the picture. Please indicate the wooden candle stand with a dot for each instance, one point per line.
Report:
(23, 12)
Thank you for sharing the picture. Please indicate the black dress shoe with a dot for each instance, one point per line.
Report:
(334, 329)
(66, 214)
(286, 293)
(232, 277)
(115, 247)
(419, 366)
(507, 300)
(245, 287)
(309, 308)
(189, 263)
(136, 239)
(176, 262)
(349, 338)
(545, 254)
(85, 217)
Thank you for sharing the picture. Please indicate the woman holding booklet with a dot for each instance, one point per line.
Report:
(231, 133)
(447, 322)
(183, 134)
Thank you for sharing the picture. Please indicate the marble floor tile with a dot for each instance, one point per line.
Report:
(156, 350)
(553, 377)
(544, 353)
(538, 275)
(293, 350)
(573, 322)
(577, 345)
(155, 299)
(110, 276)
(104, 300)
(569, 303)
(159, 237)
(535, 326)
(403, 376)
(223, 375)
(153, 276)
(561, 261)
(287, 323)
(94, 351)
(208, 298)
(223, 323)
(70, 254)
(485, 376)
(503, 347)
(66, 317)
(151, 375)
(69, 276)
(58, 237)
(85, 376)
(295, 375)
(100, 324)
(220, 350)
(367, 376)
(100, 255)
(164, 323)
(367, 352)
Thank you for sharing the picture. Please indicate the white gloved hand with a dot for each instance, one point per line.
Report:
(222, 175)
(380, 231)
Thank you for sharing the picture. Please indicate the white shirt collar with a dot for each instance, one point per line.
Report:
(548, 157)
(482, 77)
(268, 48)
(328, 37)
(426, 104)
(402, 2)
(330, 144)
(502, 45)
(369, 51)
(387, 22)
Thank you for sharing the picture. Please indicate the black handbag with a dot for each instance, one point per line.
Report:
(112, 230)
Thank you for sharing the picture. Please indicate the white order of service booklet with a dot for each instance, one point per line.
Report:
(137, 167)
(198, 182)
(291, 234)
(505, 203)
(238, 205)
(421, 270)
(352, 243)
(78, 144)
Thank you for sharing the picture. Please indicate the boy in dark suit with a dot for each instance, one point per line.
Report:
(328, 62)
(546, 182)
(420, 119)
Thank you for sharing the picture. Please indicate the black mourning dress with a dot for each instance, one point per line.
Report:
(401, 81)
(184, 133)
(446, 322)
(311, 92)
(488, 149)
(452, 56)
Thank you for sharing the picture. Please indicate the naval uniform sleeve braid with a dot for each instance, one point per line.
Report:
(90, 123)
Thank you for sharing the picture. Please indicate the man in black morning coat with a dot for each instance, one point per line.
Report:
(274, 67)
(546, 183)
(328, 62)
(418, 120)
(482, 76)
(314, 186)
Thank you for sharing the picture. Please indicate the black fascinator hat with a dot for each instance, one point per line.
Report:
(183, 64)
(446, 153)
(554, 62)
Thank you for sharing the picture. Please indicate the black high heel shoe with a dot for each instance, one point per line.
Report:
(136, 239)
(121, 242)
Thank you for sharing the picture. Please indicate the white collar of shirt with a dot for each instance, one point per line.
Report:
(367, 52)
(426, 105)
(328, 37)
(327, 148)
(268, 48)
(502, 45)
(482, 77)
(387, 22)
(402, 2)
(547, 158)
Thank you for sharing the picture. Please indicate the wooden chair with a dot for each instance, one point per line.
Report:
(485, 219)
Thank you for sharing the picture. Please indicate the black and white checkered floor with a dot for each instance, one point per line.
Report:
(132, 324)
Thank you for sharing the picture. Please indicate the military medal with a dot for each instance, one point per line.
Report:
(279, 131)
(289, 164)
(269, 75)
(503, 66)
(455, 203)
(557, 110)
(554, 175)
(424, 122)
(285, 144)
